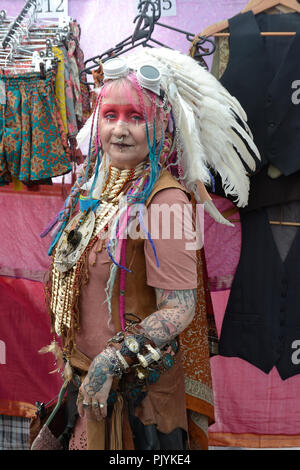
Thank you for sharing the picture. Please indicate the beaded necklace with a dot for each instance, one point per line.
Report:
(63, 288)
(70, 262)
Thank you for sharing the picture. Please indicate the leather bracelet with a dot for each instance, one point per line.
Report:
(132, 345)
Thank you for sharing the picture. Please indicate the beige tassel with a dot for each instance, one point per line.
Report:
(68, 373)
(54, 349)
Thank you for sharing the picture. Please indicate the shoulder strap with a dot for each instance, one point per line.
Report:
(165, 181)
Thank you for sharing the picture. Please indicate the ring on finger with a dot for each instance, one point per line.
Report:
(102, 405)
(95, 404)
(85, 404)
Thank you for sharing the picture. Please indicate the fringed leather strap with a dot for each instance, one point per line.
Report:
(116, 441)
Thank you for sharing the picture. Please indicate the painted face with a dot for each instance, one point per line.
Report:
(123, 129)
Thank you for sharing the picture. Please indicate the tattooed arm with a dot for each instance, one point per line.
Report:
(176, 309)
(96, 387)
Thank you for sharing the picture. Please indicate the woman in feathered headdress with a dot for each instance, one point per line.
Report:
(127, 304)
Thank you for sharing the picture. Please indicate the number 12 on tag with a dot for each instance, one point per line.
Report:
(52, 8)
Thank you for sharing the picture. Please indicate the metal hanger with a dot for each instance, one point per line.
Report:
(24, 38)
(150, 12)
(28, 9)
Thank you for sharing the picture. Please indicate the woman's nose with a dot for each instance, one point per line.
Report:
(121, 128)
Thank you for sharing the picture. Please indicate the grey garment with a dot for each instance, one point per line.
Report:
(14, 433)
(284, 235)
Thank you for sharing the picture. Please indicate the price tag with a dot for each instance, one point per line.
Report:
(52, 8)
(168, 7)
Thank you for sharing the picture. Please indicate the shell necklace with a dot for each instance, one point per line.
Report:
(77, 237)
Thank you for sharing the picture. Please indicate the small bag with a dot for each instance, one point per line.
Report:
(52, 426)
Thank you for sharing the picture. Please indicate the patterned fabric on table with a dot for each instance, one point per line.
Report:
(14, 433)
(30, 140)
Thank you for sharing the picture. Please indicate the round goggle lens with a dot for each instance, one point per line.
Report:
(150, 72)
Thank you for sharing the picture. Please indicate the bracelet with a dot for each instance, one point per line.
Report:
(111, 356)
(146, 376)
(151, 361)
(132, 345)
(119, 337)
(122, 360)
(154, 352)
(153, 356)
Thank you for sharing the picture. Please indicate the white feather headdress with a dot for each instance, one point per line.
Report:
(211, 126)
(211, 123)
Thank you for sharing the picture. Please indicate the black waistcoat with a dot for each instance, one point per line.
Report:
(261, 74)
(262, 319)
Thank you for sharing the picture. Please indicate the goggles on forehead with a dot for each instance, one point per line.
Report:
(148, 75)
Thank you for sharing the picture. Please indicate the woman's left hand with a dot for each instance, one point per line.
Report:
(94, 390)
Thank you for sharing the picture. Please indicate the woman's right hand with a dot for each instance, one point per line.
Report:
(94, 390)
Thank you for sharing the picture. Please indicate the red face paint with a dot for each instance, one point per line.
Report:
(122, 129)
(126, 113)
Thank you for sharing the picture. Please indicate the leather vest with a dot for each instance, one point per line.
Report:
(140, 299)
(262, 323)
(261, 74)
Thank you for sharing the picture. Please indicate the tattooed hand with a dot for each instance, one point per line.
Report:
(176, 311)
(95, 389)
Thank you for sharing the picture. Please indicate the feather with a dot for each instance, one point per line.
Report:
(54, 349)
(240, 131)
(211, 123)
(243, 151)
(211, 209)
(68, 373)
(86, 130)
(193, 147)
